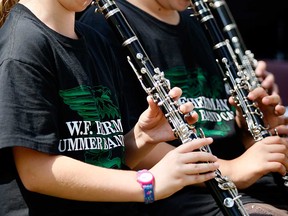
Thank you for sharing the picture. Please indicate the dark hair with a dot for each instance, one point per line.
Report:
(5, 6)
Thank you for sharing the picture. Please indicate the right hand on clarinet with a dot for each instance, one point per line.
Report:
(182, 167)
(263, 157)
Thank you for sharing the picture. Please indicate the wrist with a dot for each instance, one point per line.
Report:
(146, 179)
(142, 137)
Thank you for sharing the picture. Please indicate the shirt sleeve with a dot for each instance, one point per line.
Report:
(28, 103)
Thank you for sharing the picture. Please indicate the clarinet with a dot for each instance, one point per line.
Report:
(156, 85)
(226, 22)
(235, 77)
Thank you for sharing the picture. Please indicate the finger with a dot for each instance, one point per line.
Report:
(198, 168)
(285, 172)
(186, 107)
(267, 78)
(190, 116)
(271, 100)
(279, 110)
(231, 101)
(200, 178)
(274, 132)
(261, 69)
(197, 157)
(175, 93)
(284, 119)
(271, 140)
(194, 145)
(277, 152)
(268, 81)
(153, 108)
(277, 167)
(275, 89)
(282, 130)
(257, 93)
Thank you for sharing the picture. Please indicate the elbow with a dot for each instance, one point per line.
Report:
(29, 180)
(29, 165)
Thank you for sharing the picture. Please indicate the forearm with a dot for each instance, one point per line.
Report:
(154, 156)
(67, 178)
(137, 146)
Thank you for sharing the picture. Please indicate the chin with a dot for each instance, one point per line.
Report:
(85, 4)
(184, 5)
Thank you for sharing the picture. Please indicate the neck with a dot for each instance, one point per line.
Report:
(159, 10)
(54, 16)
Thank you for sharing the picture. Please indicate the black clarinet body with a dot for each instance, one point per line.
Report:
(155, 84)
(235, 77)
(231, 71)
(227, 24)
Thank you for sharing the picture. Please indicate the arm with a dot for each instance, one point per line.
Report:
(67, 178)
(155, 155)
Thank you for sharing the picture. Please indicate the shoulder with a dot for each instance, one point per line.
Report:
(22, 35)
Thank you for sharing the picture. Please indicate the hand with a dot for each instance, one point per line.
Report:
(282, 129)
(265, 156)
(183, 166)
(155, 125)
(269, 105)
(266, 78)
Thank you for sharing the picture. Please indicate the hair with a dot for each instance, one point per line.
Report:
(5, 6)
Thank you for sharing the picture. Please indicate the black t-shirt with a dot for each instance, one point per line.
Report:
(183, 53)
(60, 96)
